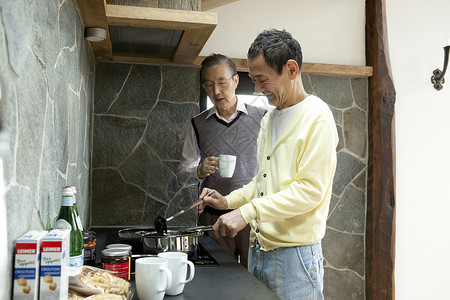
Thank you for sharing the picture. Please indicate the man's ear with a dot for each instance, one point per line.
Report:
(292, 68)
(236, 79)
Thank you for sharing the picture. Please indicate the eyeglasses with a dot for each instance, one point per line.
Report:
(222, 84)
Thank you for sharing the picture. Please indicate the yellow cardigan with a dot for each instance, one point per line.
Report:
(287, 202)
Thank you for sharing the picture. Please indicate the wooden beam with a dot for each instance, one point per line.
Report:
(197, 26)
(337, 70)
(93, 14)
(159, 17)
(380, 221)
(191, 44)
(311, 68)
(211, 4)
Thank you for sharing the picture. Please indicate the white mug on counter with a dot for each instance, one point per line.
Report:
(227, 163)
(178, 265)
(153, 278)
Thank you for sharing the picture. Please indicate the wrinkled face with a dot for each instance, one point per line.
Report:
(220, 85)
(267, 81)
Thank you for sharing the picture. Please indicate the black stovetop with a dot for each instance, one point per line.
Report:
(202, 257)
(106, 236)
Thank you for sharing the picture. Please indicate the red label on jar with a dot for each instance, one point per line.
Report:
(120, 270)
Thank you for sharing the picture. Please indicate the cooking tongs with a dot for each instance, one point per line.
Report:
(195, 204)
(161, 223)
(200, 228)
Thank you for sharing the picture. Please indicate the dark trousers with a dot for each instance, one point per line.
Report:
(237, 246)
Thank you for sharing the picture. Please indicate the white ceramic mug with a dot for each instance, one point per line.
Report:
(178, 265)
(153, 278)
(227, 163)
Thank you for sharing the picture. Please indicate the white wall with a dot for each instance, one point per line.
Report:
(416, 39)
(329, 31)
(333, 32)
(4, 279)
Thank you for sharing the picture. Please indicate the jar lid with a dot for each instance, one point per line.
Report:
(113, 252)
(121, 246)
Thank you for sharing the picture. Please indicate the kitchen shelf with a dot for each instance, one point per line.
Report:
(312, 68)
(196, 28)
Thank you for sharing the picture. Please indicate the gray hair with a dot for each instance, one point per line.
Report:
(218, 59)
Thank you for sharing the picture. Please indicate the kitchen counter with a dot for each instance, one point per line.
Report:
(228, 280)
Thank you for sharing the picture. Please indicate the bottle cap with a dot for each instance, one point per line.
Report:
(71, 187)
(74, 189)
(66, 191)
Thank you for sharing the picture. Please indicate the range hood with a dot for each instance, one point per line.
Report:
(146, 34)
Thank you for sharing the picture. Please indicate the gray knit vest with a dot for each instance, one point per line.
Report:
(215, 137)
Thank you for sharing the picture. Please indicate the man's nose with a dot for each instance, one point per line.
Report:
(259, 88)
(217, 89)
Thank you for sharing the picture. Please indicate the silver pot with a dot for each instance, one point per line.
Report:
(173, 241)
(178, 239)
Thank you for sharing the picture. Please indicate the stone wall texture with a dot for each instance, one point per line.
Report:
(140, 118)
(141, 113)
(47, 76)
(343, 245)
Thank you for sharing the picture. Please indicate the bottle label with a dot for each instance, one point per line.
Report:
(62, 224)
(66, 201)
(76, 261)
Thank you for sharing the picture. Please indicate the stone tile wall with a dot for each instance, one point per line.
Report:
(344, 242)
(141, 113)
(47, 78)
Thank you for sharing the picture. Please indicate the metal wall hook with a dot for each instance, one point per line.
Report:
(438, 76)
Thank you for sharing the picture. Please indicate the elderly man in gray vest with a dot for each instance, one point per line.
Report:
(230, 127)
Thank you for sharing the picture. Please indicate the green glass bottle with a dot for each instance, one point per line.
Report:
(75, 209)
(67, 220)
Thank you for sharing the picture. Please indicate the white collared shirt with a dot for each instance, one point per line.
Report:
(191, 154)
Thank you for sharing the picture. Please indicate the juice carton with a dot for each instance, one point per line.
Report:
(54, 265)
(26, 265)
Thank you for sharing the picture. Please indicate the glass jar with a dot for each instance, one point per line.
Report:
(90, 241)
(117, 261)
(127, 248)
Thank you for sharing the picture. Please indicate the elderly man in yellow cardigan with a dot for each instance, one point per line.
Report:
(287, 202)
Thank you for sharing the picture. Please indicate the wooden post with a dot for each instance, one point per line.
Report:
(380, 223)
